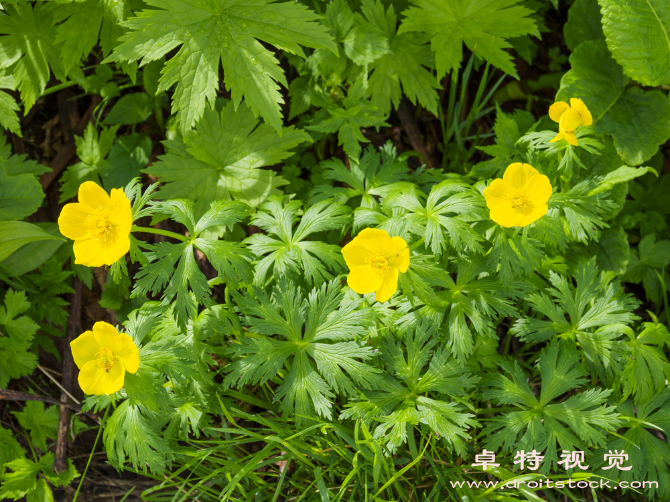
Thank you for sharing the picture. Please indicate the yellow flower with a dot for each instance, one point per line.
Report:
(520, 197)
(569, 118)
(98, 224)
(103, 356)
(374, 259)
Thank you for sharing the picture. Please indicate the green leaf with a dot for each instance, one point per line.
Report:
(92, 148)
(209, 32)
(575, 423)
(645, 262)
(638, 120)
(288, 252)
(41, 423)
(484, 27)
(364, 44)
(584, 23)
(420, 392)
(621, 175)
(20, 196)
(15, 234)
(347, 121)
(131, 109)
(127, 157)
(638, 36)
(647, 368)
(222, 157)
(611, 250)
(29, 47)
(407, 64)
(316, 335)
(8, 108)
(33, 254)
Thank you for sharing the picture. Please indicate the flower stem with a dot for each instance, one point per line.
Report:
(90, 457)
(166, 233)
(417, 243)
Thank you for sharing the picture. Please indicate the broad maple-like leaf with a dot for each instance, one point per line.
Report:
(483, 25)
(226, 30)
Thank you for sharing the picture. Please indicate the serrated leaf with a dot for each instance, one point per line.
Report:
(584, 23)
(638, 36)
(131, 109)
(484, 27)
(207, 32)
(222, 157)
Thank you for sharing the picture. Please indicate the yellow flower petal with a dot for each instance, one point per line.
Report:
(374, 239)
(570, 138)
(506, 216)
(389, 286)
(496, 193)
(570, 121)
(84, 348)
(73, 221)
(399, 254)
(538, 189)
(356, 254)
(106, 335)
(93, 195)
(579, 106)
(364, 280)
(128, 354)
(121, 214)
(112, 380)
(557, 109)
(558, 137)
(517, 174)
(90, 378)
(96, 252)
(534, 214)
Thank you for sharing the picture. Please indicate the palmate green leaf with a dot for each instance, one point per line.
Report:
(131, 432)
(286, 252)
(639, 121)
(638, 36)
(8, 108)
(41, 423)
(315, 335)
(82, 23)
(374, 175)
(187, 283)
(28, 48)
(647, 454)
(92, 148)
(419, 371)
(582, 209)
(612, 250)
(484, 27)
(229, 31)
(10, 449)
(580, 421)
(647, 369)
(222, 157)
(589, 312)
(347, 121)
(445, 219)
(16, 337)
(404, 68)
(645, 263)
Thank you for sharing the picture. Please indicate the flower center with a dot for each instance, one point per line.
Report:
(519, 200)
(380, 263)
(102, 227)
(106, 359)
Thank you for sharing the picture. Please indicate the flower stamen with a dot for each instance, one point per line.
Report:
(519, 200)
(106, 359)
(102, 227)
(380, 263)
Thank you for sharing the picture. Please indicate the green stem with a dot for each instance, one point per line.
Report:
(56, 88)
(90, 457)
(166, 233)
(417, 243)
